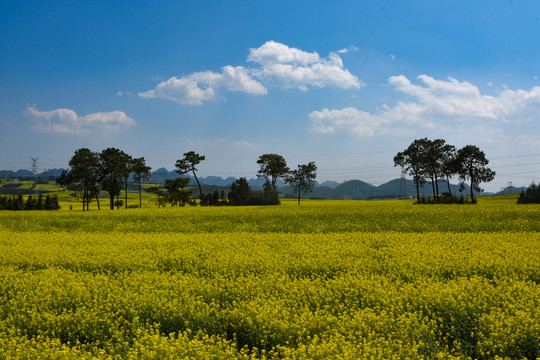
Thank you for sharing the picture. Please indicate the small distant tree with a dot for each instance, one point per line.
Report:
(140, 172)
(240, 193)
(161, 195)
(303, 178)
(471, 165)
(188, 163)
(176, 192)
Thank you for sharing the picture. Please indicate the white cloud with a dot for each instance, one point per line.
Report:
(351, 48)
(392, 56)
(198, 87)
(445, 105)
(296, 68)
(246, 144)
(272, 52)
(66, 121)
(332, 121)
(288, 66)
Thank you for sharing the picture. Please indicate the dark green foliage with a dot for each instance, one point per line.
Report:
(446, 199)
(435, 160)
(272, 167)
(241, 194)
(173, 192)
(212, 199)
(303, 178)
(114, 170)
(83, 176)
(530, 196)
(188, 163)
(17, 203)
(471, 164)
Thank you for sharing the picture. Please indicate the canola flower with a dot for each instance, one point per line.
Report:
(329, 280)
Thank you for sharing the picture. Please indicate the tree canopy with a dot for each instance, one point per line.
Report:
(471, 164)
(303, 178)
(435, 160)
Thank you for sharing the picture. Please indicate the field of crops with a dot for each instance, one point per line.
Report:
(326, 280)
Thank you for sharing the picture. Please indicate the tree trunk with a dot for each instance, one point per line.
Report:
(472, 182)
(448, 183)
(111, 198)
(199, 185)
(125, 188)
(97, 199)
(433, 187)
(140, 200)
(437, 187)
(417, 183)
(298, 194)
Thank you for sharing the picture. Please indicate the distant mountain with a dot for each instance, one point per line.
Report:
(353, 189)
(22, 173)
(511, 190)
(356, 189)
(330, 184)
(8, 174)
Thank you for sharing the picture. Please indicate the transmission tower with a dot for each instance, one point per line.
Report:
(34, 166)
(34, 171)
(403, 185)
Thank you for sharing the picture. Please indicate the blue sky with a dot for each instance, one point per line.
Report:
(346, 84)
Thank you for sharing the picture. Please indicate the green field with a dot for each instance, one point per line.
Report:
(326, 280)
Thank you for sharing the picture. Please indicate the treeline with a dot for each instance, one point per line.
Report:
(91, 172)
(434, 160)
(31, 203)
(530, 196)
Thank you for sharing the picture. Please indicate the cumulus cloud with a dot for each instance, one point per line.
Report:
(198, 87)
(293, 67)
(290, 67)
(67, 121)
(439, 104)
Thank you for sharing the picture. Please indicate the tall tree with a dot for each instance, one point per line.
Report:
(140, 172)
(303, 178)
(435, 153)
(272, 167)
(411, 159)
(82, 176)
(113, 167)
(472, 165)
(126, 171)
(188, 163)
(449, 167)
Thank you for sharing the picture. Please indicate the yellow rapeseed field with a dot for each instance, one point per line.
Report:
(326, 280)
